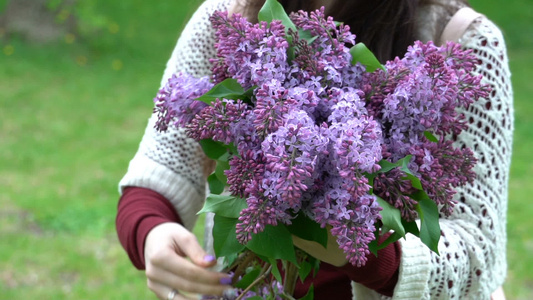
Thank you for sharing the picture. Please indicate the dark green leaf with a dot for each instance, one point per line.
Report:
(310, 294)
(230, 259)
(308, 229)
(273, 242)
(415, 181)
(306, 35)
(373, 246)
(224, 206)
(222, 165)
(229, 89)
(391, 217)
(255, 298)
(248, 95)
(429, 220)
(316, 265)
(411, 227)
(291, 53)
(224, 236)
(360, 53)
(403, 164)
(232, 150)
(391, 239)
(304, 270)
(273, 10)
(386, 166)
(431, 137)
(212, 149)
(215, 185)
(248, 278)
(275, 270)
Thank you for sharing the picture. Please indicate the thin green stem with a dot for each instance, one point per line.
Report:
(264, 273)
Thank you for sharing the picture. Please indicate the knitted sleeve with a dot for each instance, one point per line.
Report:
(169, 162)
(472, 261)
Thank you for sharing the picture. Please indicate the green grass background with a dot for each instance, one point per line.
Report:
(73, 113)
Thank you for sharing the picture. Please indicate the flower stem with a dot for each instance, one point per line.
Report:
(291, 275)
(264, 273)
(242, 264)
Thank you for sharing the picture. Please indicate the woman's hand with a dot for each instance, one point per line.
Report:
(175, 261)
(332, 255)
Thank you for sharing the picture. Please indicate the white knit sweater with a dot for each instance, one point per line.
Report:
(472, 261)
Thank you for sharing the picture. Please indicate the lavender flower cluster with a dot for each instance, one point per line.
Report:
(417, 94)
(317, 124)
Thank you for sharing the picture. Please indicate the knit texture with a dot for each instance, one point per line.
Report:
(472, 261)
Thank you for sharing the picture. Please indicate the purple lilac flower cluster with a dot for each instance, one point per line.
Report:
(417, 94)
(317, 124)
(177, 98)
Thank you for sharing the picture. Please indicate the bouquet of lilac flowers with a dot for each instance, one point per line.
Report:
(311, 135)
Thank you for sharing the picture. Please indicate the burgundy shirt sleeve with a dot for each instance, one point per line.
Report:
(379, 273)
(140, 210)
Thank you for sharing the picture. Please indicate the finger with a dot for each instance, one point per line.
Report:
(162, 292)
(186, 285)
(171, 262)
(188, 244)
(184, 275)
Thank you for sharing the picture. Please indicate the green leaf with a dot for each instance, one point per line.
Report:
(255, 298)
(360, 53)
(275, 270)
(429, 220)
(248, 278)
(229, 89)
(391, 217)
(411, 227)
(304, 270)
(373, 245)
(431, 137)
(310, 294)
(391, 239)
(224, 236)
(215, 185)
(212, 149)
(224, 206)
(386, 165)
(273, 10)
(415, 181)
(248, 94)
(222, 165)
(232, 150)
(306, 35)
(307, 229)
(230, 259)
(273, 242)
(403, 164)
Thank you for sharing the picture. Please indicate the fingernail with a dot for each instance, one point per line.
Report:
(225, 281)
(209, 258)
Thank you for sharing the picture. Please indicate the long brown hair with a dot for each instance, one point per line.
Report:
(387, 27)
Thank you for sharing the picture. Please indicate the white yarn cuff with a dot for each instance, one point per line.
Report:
(415, 268)
(144, 172)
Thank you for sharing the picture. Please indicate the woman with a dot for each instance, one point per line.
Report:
(164, 186)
